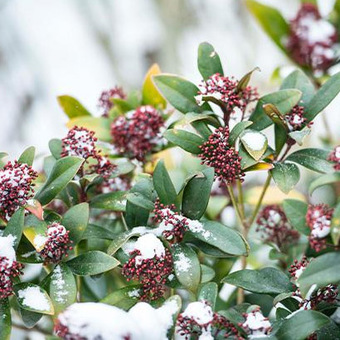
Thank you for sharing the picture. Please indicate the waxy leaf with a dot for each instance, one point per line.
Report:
(187, 266)
(123, 298)
(62, 173)
(321, 271)
(301, 325)
(111, 201)
(72, 107)
(255, 143)
(286, 176)
(207, 273)
(15, 226)
(33, 298)
(324, 180)
(92, 263)
(27, 156)
(75, 221)
(208, 61)
(150, 93)
(237, 130)
(263, 281)
(56, 147)
(313, 159)
(5, 319)
(296, 211)
(188, 141)
(208, 292)
(180, 93)
(196, 194)
(163, 184)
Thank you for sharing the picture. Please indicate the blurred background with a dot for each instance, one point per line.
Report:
(81, 47)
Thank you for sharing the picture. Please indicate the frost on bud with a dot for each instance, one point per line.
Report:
(334, 157)
(138, 133)
(16, 186)
(225, 90)
(318, 219)
(273, 224)
(150, 264)
(218, 154)
(9, 267)
(56, 243)
(105, 101)
(198, 321)
(255, 324)
(312, 39)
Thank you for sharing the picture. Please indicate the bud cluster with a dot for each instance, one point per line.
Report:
(105, 101)
(255, 324)
(217, 153)
(335, 158)
(296, 119)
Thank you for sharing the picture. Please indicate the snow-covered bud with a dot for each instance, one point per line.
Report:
(334, 157)
(255, 324)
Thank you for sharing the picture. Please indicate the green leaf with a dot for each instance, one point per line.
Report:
(62, 287)
(207, 273)
(237, 130)
(208, 292)
(105, 232)
(313, 159)
(30, 319)
(180, 93)
(5, 320)
(72, 107)
(298, 80)
(163, 184)
(272, 22)
(321, 271)
(284, 101)
(100, 125)
(248, 162)
(196, 194)
(92, 263)
(139, 200)
(323, 97)
(110, 201)
(123, 298)
(255, 143)
(187, 266)
(324, 180)
(280, 138)
(299, 136)
(244, 81)
(27, 156)
(301, 325)
(15, 226)
(121, 238)
(188, 141)
(56, 147)
(208, 61)
(151, 95)
(62, 173)
(222, 237)
(75, 220)
(335, 225)
(296, 211)
(33, 298)
(264, 281)
(286, 176)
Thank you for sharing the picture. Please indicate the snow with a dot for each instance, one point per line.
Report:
(60, 285)
(39, 241)
(149, 246)
(200, 312)
(254, 140)
(197, 227)
(96, 320)
(182, 263)
(134, 293)
(256, 322)
(34, 298)
(7, 250)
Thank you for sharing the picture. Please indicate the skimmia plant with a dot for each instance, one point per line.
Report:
(130, 246)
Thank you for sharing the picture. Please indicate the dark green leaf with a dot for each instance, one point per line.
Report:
(324, 180)
(15, 226)
(56, 147)
(123, 298)
(263, 281)
(180, 93)
(286, 176)
(72, 107)
(92, 263)
(187, 266)
(5, 319)
(110, 201)
(188, 141)
(27, 156)
(196, 194)
(208, 61)
(75, 220)
(301, 325)
(323, 97)
(313, 159)
(296, 211)
(163, 184)
(284, 100)
(208, 292)
(62, 173)
(105, 232)
(237, 130)
(207, 273)
(136, 216)
(139, 200)
(298, 80)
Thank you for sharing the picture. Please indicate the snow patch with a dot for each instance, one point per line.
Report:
(34, 298)
(255, 140)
